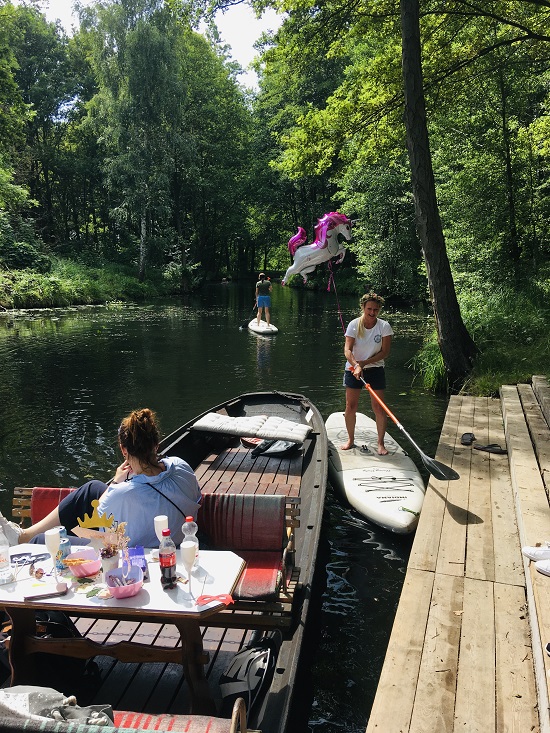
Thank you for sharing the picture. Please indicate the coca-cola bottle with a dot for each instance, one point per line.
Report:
(167, 559)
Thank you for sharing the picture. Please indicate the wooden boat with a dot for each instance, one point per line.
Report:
(223, 465)
(387, 490)
(273, 626)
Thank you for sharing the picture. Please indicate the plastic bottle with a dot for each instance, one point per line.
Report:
(190, 530)
(6, 574)
(167, 559)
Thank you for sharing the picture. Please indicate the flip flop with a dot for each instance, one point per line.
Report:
(467, 438)
(492, 448)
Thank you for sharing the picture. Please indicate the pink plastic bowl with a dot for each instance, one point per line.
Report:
(91, 567)
(134, 581)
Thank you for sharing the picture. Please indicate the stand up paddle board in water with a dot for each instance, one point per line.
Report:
(263, 328)
(387, 490)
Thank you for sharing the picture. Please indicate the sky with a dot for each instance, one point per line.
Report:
(238, 28)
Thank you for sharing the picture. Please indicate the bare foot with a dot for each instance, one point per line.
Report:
(382, 450)
(347, 446)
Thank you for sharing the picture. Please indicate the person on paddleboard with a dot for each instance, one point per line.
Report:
(263, 298)
(368, 344)
(144, 486)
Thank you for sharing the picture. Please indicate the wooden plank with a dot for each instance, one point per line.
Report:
(516, 693)
(435, 697)
(475, 694)
(538, 430)
(507, 549)
(452, 548)
(542, 391)
(480, 561)
(532, 507)
(540, 618)
(393, 704)
(428, 534)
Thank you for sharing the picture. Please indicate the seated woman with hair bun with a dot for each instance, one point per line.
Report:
(143, 487)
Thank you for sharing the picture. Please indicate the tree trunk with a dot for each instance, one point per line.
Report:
(143, 246)
(457, 348)
(514, 253)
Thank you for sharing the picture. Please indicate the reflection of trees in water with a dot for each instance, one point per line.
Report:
(263, 352)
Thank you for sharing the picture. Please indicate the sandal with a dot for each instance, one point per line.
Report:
(467, 438)
(492, 448)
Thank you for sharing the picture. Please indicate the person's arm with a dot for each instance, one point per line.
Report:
(348, 353)
(382, 354)
(122, 473)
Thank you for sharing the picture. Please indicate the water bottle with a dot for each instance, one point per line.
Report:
(6, 575)
(167, 559)
(190, 530)
(64, 551)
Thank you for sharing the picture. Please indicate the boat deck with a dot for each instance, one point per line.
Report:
(160, 687)
(237, 471)
(466, 651)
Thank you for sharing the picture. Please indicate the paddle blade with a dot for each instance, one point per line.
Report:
(439, 470)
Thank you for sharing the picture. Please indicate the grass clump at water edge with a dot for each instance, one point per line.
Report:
(70, 283)
(510, 330)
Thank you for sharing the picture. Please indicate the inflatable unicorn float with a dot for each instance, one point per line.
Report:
(331, 231)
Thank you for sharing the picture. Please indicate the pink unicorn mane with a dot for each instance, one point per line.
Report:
(327, 222)
(297, 240)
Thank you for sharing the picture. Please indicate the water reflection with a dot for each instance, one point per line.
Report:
(68, 376)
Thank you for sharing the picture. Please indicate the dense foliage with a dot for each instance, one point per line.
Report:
(132, 143)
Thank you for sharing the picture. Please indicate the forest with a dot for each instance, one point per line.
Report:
(134, 163)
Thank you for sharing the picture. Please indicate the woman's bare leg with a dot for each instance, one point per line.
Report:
(49, 522)
(267, 316)
(352, 403)
(381, 421)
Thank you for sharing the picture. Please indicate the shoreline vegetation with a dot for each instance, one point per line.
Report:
(510, 329)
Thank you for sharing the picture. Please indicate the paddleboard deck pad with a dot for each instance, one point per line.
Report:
(263, 328)
(387, 490)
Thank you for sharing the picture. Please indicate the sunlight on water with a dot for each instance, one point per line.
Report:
(68, 376)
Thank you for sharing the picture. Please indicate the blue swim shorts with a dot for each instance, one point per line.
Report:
(264, 301)
(375, 376)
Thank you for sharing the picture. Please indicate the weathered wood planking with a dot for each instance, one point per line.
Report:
(460, 655)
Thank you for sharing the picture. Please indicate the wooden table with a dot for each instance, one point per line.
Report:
(217, 573)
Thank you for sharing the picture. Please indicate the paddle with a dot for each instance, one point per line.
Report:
(437, 469)
(244, 324)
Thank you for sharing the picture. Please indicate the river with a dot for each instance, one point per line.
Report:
(69, 375)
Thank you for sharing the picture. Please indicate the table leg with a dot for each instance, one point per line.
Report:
(22, 664)
(193, 661)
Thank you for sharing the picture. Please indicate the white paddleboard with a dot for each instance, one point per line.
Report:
(263, 328)
(387, 490)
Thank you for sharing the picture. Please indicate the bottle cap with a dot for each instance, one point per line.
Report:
(166, 532)
(189, 519)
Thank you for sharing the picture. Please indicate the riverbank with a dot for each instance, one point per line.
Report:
(509, 328)
(70, 283)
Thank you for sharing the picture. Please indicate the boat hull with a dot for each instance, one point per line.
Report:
(387, 490)
(271, 714)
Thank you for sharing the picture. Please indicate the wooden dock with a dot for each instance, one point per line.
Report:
(467, 649)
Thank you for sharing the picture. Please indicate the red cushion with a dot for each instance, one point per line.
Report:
(243, 521)
(260, 579)
(44, 499)
(176, 723)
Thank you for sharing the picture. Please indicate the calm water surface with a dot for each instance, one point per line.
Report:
(68, 376)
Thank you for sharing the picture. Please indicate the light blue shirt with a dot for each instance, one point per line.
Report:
(137, 503)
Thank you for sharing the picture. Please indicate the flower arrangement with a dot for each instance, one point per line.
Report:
(115, 540)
